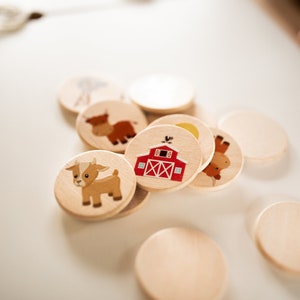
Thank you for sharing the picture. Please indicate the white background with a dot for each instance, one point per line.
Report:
(234, 54)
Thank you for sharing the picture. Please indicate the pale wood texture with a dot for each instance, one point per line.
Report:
(79, 92)
(197, 128)
(110, 125)
(181, 263)
(260, 204)
(195, 110)
(277, 235)
(69, 194)
(224, 167)
(259, 137)
(162, 93)
(138, 200)
(184, 150)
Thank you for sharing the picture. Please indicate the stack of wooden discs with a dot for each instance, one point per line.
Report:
(179, 148)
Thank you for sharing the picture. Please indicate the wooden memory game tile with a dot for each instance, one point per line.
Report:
(95, 185)
(225, 166)
(164, 157)
(181, 263)
(162, 93)
(81, 91)
(197, 128)
(259, 137)
(277, 235)
(110, 125)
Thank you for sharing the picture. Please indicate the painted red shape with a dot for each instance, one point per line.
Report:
(160, 162)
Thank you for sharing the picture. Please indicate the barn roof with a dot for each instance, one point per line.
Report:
(159, 146)
(164, 146)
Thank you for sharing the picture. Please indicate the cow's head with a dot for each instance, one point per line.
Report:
(100, 125)
(97, 120)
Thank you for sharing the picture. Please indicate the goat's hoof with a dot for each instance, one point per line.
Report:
(97, 204)
(86, 203)
(110, 194)
(124, 142)
(115, 143)
(117, 198)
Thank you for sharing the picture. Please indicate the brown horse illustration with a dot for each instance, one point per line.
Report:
(220, 161)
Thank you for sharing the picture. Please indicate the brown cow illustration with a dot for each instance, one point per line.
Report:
(118, 132)
(85, 176)
(219, 161)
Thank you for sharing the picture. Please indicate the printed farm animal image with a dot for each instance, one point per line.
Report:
(116, 133)
(220, 161)
(85, 176)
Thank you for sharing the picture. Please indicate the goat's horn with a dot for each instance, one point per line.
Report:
(94, 161)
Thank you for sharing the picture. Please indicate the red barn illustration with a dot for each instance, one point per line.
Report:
(161, 162)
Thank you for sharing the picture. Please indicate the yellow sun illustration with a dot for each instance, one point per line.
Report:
(191, 128)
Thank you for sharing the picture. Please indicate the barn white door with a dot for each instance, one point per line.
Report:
(156, 168)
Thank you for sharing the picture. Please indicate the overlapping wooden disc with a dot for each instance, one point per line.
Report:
(95, 185)
(181, 263)
(277, 235)
(110, 125)
(79, 92)
(164, 157)
(197, 128)
(259, 137)
(162, 93)
(225, 166)
(196, 110)
(138, 200)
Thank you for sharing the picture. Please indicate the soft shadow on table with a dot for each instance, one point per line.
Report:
(68, 116)
(291, 283)
(111, 245)
(268, 170)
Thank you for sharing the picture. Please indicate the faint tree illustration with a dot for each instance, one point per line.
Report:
(86, 86)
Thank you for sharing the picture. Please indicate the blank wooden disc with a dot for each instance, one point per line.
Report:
(95, 185)
(277, 235)
(110, 125)
(181, 263)
(201, 132)
(164, 157)
(259, 137)
(225, 166)
(195, 110)
(81, 91)
(162, 93)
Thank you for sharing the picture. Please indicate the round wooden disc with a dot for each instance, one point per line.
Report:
(225, 166)
(259, 137)
(95, 185)
(201, 132)
(181, 263)
(110, 125)
(195, 110)
(164, 157)
(277, 235)
(162, 93)
(79, 92)
(138, 200)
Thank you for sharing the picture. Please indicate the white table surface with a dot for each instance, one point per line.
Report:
(234, 54)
